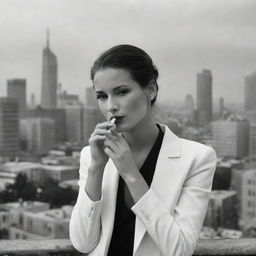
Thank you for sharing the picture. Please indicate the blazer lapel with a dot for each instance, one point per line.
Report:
(164, 177)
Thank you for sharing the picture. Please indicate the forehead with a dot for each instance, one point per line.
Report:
(110, 78)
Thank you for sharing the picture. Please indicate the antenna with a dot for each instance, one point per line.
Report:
(47, 38)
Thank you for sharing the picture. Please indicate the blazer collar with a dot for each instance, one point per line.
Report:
(171, 143)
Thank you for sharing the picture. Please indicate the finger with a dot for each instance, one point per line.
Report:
(109, 152)
(115, 133)
(97, 138)
(112, 145)
(99, 131)
(105, 125)
(111, 136)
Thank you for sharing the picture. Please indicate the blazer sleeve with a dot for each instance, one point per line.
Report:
(177, 234)
(85, 225)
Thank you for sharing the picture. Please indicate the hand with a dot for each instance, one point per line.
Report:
(96, 142)
(119, 151)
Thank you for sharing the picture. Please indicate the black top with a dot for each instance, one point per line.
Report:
(123, 234)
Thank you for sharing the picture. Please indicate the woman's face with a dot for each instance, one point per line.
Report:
(120, 96)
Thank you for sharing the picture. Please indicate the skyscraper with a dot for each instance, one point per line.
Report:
(67, 99)
(90, 97)
(74, 122)
(204, 97)
(58, 115)
(91, 117)
(49, 77)
(91, 114)
(9, 127)
(39, 134)
(250, 92)
(252, 142)
(231, 138)
(16, 88)
(189, 109)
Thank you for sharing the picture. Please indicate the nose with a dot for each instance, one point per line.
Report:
(112, 106)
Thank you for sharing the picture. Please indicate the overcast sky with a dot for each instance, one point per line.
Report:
(182, 37)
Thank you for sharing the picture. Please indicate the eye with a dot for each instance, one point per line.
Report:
(122, 92)
(101, 96)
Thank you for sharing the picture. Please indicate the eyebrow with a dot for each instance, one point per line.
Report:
(115, 89)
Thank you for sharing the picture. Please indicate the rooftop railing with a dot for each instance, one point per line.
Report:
(63, 247)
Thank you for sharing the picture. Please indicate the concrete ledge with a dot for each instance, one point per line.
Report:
(56, 247)
(245, 246)
(63, 247)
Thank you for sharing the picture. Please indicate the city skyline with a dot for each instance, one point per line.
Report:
(182, 37)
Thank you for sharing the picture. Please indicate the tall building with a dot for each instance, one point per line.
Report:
(66, 99)
(32, 103)
(39, 133)
(74, 123)
(252, 143)
(16, 88)
(90, 97)
(244, 182)
(231, 138)
(222, 210)
(91, 117)
(49, 77)
(204, 97)
(9, 127)
(221, 107)
(58, 115)
(91, 114)
(190, 109)
(250, 92)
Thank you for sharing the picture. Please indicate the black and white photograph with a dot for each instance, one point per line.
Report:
(127, 127)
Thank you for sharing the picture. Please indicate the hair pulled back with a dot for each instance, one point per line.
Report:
(132, 59)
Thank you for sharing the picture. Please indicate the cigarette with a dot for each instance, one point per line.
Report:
(113, 120)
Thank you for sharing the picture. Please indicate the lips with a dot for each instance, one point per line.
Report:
(118, 119)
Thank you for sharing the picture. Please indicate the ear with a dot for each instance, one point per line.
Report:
(151, 89)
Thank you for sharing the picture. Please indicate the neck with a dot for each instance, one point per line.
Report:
(143, 135)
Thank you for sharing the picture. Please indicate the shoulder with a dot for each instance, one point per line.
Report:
(187, 150)
(202, 158)
(195, 148)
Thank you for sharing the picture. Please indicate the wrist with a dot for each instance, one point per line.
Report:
(137, 186)
(96, 168)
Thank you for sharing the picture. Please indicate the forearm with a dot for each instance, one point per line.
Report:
(136, 185)
(93, 184)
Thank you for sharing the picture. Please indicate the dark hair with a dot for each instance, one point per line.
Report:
(132, 59)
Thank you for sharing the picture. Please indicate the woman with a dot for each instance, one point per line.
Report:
(143, 191)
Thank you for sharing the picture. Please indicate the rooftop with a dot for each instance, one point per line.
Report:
(18, 166)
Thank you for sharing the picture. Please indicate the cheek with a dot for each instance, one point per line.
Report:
(138, 104)
(103, 109)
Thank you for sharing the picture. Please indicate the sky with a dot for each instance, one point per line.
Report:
(182, 37)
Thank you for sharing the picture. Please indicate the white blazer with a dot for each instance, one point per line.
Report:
(169, 216)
